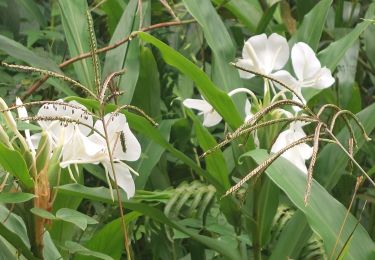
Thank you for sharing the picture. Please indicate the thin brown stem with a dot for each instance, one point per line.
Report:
(82, 56)
(122, 215)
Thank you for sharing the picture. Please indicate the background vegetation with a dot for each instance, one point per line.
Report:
(185, 51)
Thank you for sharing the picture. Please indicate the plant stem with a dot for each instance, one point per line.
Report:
(350, 156)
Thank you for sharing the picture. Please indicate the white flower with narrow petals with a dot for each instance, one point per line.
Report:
(299, 153)
(22, 113)
(123, 145)
(263, 54)
(57, 129)
(210, 116)
(308, 70)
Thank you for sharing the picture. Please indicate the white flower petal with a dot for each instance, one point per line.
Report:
(324, 79)
(22, 113)
(198, 104)
(278, 52)
(246, 64)
(305, 63)
(124, 178)
(284, 77)
(211, 118)
(248, 113)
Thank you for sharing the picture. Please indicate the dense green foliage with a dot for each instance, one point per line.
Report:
(172, 51)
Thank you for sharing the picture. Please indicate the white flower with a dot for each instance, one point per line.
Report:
(22, 113)
(123, 145)
(299, 153)
(264, 55)
(210, 116)
(307, 69)
(57, 129)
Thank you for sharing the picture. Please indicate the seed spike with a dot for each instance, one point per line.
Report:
(93, 50)
(107, 80)
(50, 74)
(140, 111)
(312, 162)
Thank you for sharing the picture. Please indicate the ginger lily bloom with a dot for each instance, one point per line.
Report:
(22, 113)
(123, 146)
(57, 129)
(264, 55)
(308, 70)
(297, 154)
(210, 116)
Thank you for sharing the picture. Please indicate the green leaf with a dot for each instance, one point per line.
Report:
(126, 55)
(219, 40)
(328, 173)
(15, 197)
(73, 17)
(14, 231)
(103, 194)
(151, 153)
(324, 213)
(33, 11)
(217, 98)
(13, 162)
(109, 240)
(77, 218)
(42, 213)
(312, 26)
(75, 248)
(332, 55)
(247, 12)
(147, 91)
(215, 162)
(18, 51)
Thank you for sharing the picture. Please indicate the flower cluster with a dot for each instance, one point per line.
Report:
(108, 141)
(268, 56)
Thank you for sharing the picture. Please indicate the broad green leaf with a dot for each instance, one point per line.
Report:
(14, 231)
(247, 12)
(15, 197)
(42, 213)
(215, 162)
(217, 98)
(13, 162)
(32, 10)
(219, 40)
(77, 218)
(50, 251)
(109, 240)
(332, 55)
(126, 55)
(312, 25)
(74, 21)
(268, 202)
(266, 18)
(18, 51)
(324, 213)
(147, 91)
(292, 238)
(328, 173)
(151, 153)
(103, 194)
(75, 248)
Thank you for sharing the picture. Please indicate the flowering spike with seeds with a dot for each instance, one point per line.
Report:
(93, 49)
(312, 162)
(50, 74)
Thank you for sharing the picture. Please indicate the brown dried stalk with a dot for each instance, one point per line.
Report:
(82, 56)
(263, 166)
(232, 136)
(312, 162)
